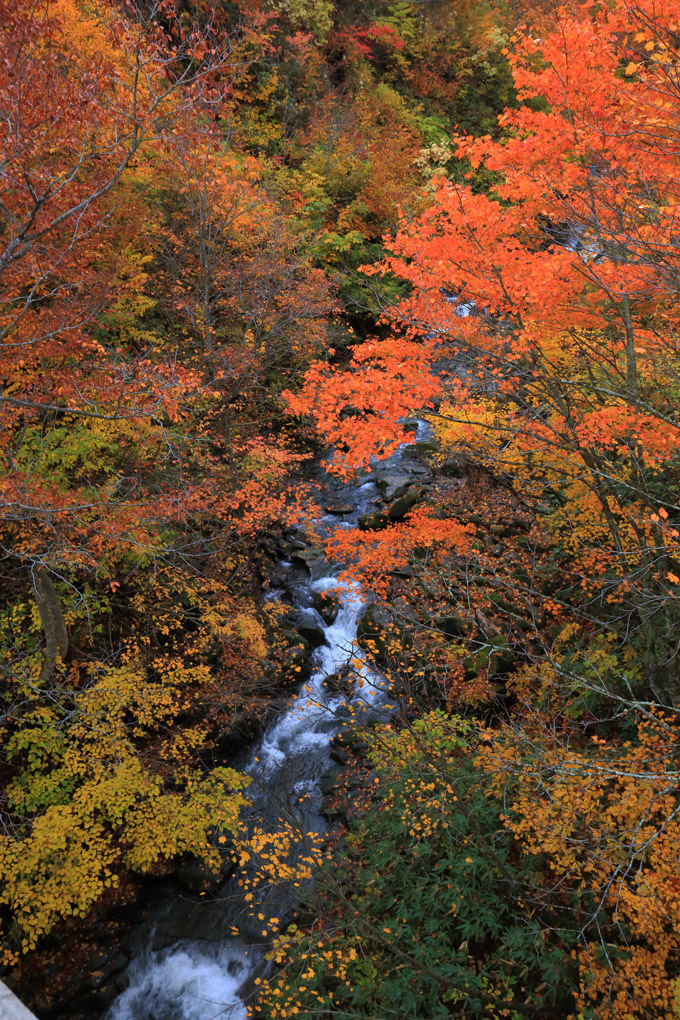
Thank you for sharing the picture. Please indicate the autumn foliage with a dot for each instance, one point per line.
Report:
(537, 334)
(232, 234)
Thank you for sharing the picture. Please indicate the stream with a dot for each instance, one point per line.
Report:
(189, 966)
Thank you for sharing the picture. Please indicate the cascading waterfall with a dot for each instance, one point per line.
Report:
(203, 976)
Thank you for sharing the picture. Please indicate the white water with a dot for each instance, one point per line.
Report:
(201, 978)
(186, 984)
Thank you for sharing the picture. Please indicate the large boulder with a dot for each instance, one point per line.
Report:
(401, 506)
(327, 605)
(342, 682)
(311, 559)
(194, 875)
(423, 450)
(309, 626)
(374, 522)
(393, 486)
(452, 626)
(453, 467)
(374, 630)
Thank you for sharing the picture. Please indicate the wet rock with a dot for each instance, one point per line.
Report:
(335, 805)
(402, 611)
(310, 559)
(400, 507)
(351, 739)
(405, 571)
(333, 811)
(309, 625)
(373, 630)
(239, 734)
(394, 486)
(296, 658)
(496, 655)
(104, 967)
(374, 522)
(277, 578)
(452, 626)
(341, 682)
(195, 876)
(327, 605)
(339, 509)
(331, 780)
(395, 492)
(340, 755)
(421, 451)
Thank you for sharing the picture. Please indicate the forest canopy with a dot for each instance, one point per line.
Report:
(235, 236)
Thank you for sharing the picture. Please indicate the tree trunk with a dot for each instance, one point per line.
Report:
(52, 619)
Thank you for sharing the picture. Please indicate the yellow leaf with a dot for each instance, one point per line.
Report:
(631, 69)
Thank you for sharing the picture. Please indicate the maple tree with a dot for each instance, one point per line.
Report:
(538, 337)
(188, 195)
(541, 318)
(113, 474)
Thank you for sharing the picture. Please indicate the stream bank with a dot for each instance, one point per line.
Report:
(163, 941)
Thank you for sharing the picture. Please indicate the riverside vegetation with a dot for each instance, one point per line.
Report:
(233, 234)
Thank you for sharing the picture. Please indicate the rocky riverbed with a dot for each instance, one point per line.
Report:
(164, 950)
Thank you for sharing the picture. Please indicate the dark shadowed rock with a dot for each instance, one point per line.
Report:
(309, 625)
(373, 522)
(311, 559)
(394, 486)
(327, 605)
(400, 507)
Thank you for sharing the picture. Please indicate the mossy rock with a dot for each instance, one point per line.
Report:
(401, 507)
(327, 605)
(423, 450)
(374, 522)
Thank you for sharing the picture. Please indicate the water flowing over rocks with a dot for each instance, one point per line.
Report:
(188, 966)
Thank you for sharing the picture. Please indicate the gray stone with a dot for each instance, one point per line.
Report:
(327, 605)
(452, 626)
(400, 507)
(310, 559)
(421, 451)
(453, 468)
(373, 522)
(309, 625)
(373, 624)
(341, 682)
(405, 571)
(394, 486)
